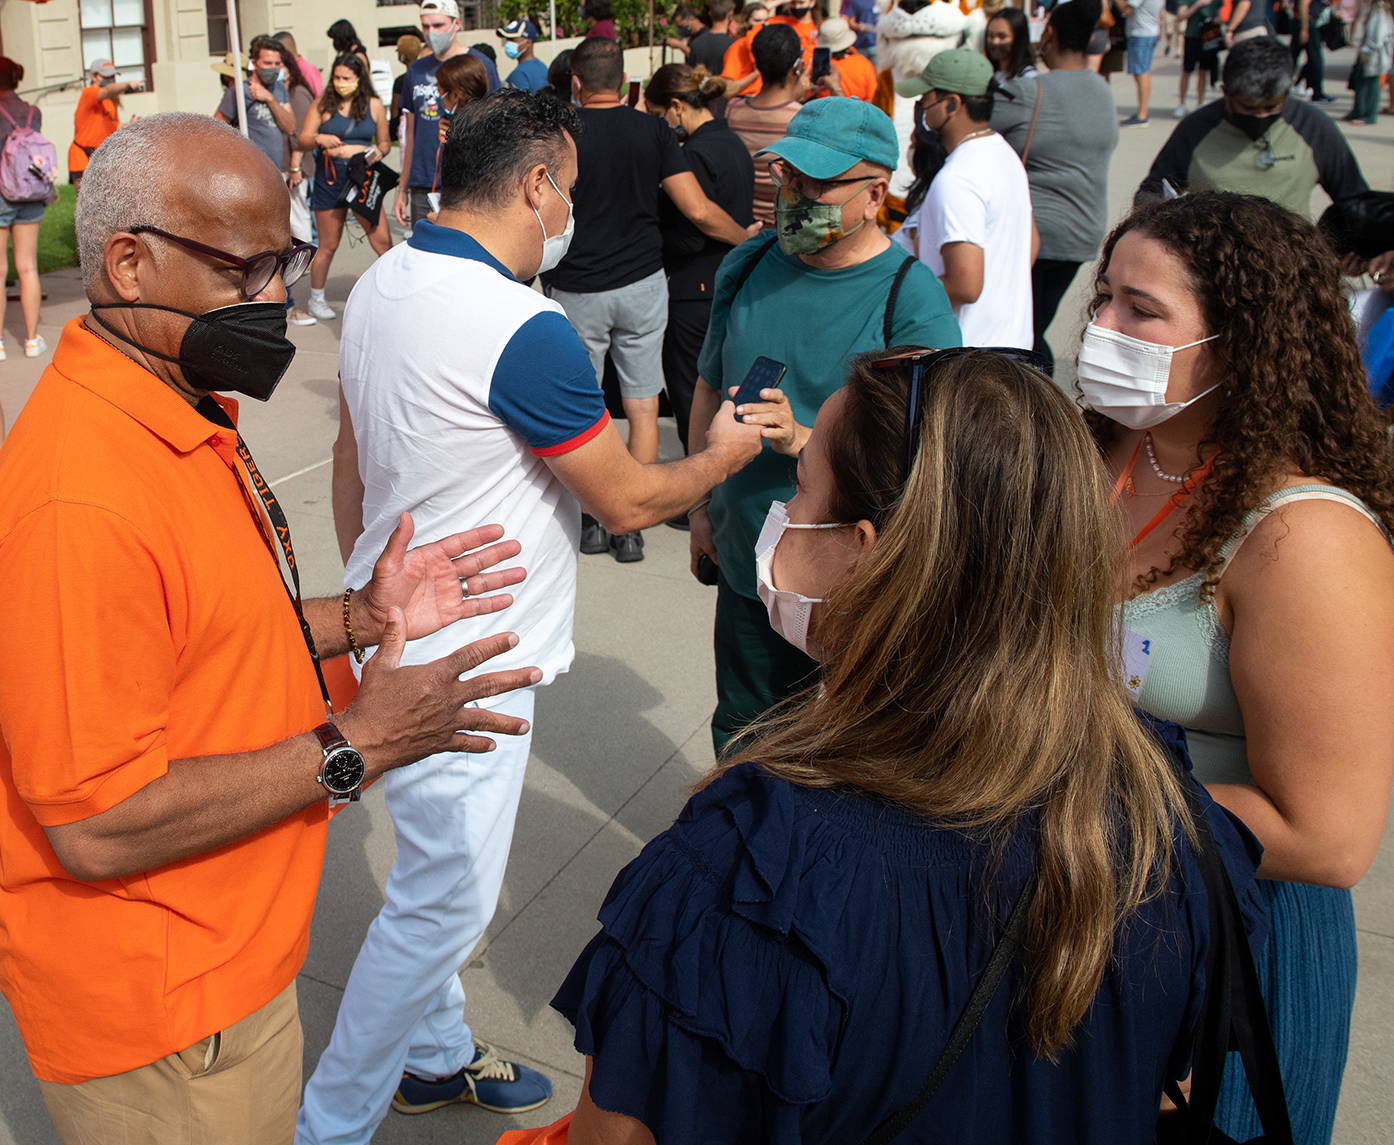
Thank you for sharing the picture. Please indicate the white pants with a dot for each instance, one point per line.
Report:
(404, 1006)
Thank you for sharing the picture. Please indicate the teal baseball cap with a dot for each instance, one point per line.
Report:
(961, 71)
(829, 136)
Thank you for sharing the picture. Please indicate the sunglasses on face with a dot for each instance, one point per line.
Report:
(921, 362)
(257, 271)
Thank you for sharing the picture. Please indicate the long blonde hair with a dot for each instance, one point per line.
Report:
(973, 657)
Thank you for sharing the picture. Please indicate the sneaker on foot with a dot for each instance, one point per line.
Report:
(489, 1082)
(2, 349)
(297, 317)
(679, 522)
(628, 547)
(1323, 99)
(321, 309)
(594, 536)
(35, 346)
(1180, 112)
(1134, 121)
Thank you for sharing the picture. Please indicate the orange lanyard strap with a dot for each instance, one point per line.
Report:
(1193, 482)
(1127, 472)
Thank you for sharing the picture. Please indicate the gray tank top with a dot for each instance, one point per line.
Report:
(1179, 653)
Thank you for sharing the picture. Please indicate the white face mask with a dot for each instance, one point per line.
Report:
(554, 248)
(789, 611)
(1126, 379)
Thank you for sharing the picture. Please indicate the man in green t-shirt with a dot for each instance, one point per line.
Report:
(1199, 53)
(825, 285)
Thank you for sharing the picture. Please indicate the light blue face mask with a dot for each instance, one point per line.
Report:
(512, 49)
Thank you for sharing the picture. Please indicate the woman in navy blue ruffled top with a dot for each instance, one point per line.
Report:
(785, 963)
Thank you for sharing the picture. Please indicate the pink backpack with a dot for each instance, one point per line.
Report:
(28, 164)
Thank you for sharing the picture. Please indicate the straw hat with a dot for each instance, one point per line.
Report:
(224, 67)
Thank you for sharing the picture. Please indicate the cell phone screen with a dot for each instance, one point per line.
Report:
(822, 63)
(765, 374)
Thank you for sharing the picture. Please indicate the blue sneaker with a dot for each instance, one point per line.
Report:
(488, 1081)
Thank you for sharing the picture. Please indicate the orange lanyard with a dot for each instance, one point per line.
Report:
(1172, 502)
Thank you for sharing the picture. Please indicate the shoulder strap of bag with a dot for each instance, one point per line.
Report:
(11, 118)
(978, 1002)
(889, 320)
(1035, 115)
(1233, 1014)
(749, 268)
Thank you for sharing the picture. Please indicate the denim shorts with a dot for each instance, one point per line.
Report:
(11, 213)
(1140, 49)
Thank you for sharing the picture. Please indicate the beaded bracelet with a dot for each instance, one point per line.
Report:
(348, 627)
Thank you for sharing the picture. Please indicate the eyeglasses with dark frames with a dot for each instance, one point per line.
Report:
(782, 175)
(921, 362)
(257, 271)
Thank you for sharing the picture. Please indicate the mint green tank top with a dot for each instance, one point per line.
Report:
(1180, 652)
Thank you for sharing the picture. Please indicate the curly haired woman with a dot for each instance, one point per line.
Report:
(1258, 484)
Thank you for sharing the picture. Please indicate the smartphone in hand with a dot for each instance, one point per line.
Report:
(822, 64)
(765, 374)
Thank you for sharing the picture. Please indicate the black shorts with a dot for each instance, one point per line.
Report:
(1192, 57)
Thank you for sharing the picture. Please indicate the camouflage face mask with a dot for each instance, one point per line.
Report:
(805, 226)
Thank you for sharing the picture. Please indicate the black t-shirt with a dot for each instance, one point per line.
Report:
(622, 157)
(708, 48)
(726, 172)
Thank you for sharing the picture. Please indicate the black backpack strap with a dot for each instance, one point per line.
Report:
(1233, 1014)
(890, 300)
(983, 991)
(749, 268)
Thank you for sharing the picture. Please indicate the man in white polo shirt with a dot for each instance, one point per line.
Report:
(974, 229)
(467, 396)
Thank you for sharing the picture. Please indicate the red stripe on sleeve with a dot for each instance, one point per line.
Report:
(576, 442)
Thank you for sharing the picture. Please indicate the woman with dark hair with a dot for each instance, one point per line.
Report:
(19, 222)
(559, 76)
(459, 79)
(785, 963)
(683, 96)
(1257, 482)
(346, 42)
(602, 13)
(348, 119)
(302, 100)
(1008, 45)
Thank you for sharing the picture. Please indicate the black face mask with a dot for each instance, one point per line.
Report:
(1253, 125)
(268, 76)
(800, 13)
(680, 131)
(242, 348)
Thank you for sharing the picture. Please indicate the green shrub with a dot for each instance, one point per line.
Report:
(631, 19)
(57, 238)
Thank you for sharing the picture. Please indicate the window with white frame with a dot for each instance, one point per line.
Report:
(119, 31)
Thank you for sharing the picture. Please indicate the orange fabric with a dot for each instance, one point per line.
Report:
(554, 1134)
(808, 33)
(884, 98)
(339, 678)
(739, 62)
(858, 76)
(93, 121)
(147, 623)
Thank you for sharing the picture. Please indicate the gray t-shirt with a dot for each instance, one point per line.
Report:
(1067, 168)
(261, 127)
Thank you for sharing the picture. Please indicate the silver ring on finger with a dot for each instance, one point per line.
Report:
(464, 589)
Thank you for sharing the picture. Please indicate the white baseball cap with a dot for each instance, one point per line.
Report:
(445, 7)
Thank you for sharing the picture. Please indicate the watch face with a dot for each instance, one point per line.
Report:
(343, 770)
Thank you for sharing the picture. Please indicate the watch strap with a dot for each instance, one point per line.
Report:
(330, 737)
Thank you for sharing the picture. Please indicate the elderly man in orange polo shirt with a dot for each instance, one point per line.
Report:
(169, 757)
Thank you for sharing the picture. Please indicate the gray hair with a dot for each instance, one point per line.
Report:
(1260, 68)
(123, 187)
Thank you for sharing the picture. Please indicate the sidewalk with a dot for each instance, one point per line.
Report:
(618, 739)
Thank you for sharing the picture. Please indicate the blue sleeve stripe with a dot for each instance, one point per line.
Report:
(544, 387)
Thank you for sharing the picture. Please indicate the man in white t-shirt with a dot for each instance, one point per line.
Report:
(974, 229)
(467, 396)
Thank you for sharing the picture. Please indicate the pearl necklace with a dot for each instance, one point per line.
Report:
(1157, 469)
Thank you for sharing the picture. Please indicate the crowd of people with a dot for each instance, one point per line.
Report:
(1008, 672)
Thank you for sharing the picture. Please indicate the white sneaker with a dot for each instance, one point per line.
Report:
(1180, 112)
(2, 349)
(321, 309)
(297, 317)
(35, 348)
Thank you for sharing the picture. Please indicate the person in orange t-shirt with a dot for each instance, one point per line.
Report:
(852, 73)
(738, 65)
(98, 114)
(799, 16)
(165, 758)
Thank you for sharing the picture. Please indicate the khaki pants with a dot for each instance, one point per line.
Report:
(237, 1087)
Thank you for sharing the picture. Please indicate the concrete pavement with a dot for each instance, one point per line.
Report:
(618, 739)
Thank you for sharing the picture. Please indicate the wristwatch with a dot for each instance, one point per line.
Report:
(343, 769)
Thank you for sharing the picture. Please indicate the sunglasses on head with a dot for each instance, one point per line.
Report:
(257, 271)
(921, 362)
